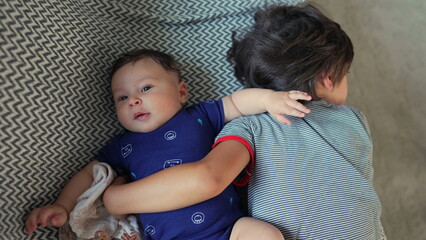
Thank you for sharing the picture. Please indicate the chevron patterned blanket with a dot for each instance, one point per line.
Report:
(55, 106)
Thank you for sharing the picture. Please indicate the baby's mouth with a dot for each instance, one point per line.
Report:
(140, 116)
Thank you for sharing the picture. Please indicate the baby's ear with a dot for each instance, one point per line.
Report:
(183, 92)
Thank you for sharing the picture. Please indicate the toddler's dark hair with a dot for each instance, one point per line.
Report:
(290, 48)
(164, 59)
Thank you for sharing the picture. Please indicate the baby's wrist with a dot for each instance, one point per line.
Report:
(64, 208)
(268, 99)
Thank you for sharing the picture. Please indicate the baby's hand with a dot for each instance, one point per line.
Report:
(280, 103)
(50, 215)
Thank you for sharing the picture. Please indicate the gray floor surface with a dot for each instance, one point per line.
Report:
(387, 82)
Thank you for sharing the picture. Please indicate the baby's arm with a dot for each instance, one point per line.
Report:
(57, 213)
(120, 180)
(256, 100)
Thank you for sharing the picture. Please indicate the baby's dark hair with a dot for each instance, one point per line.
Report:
(290, 48)
(164, 59)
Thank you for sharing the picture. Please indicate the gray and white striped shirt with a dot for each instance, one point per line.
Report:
(313, 179)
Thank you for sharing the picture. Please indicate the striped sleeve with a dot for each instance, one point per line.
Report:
(238, 130)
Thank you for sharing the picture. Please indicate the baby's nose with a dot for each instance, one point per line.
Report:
(135, 102)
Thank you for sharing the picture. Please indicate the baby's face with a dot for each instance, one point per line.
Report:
(146, 96)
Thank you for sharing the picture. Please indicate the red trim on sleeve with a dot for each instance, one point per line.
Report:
(250, 165)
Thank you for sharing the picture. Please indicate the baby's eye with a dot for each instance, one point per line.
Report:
(146, 88)
(122, 98)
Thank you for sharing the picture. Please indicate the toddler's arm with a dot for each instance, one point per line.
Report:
(57, 213)
(182, 185)
(256, 100)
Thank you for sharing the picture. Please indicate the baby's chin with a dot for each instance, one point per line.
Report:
(142, 129)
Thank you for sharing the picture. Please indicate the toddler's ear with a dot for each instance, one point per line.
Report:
(328, 83)
(183, 92)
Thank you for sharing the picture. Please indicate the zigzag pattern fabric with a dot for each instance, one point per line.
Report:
(55, 106)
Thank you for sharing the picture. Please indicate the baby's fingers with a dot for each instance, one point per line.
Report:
(297, 109)
(45, 215)
(282, 119)
(31, 222)
(52, 216)
(299, 95)
(29, 228)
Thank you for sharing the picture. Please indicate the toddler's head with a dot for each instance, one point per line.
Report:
(292, 48)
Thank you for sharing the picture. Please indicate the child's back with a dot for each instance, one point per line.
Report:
(319, 170)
